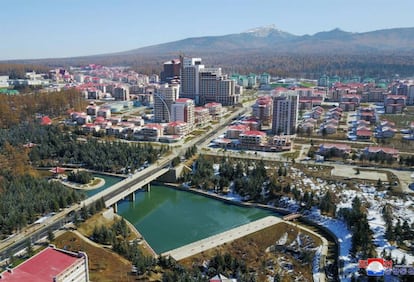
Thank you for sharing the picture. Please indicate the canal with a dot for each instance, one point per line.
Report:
(109, 181)
(169, 218)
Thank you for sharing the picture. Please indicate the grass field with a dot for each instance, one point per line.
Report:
(104, 265)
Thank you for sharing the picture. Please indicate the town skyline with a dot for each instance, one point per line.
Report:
(48, 30)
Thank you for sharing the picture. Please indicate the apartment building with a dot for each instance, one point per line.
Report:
(183, 110)
(164, 97)
(285, 113)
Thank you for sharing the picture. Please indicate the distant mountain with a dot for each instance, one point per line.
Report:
(257, 38)
(271, 39)
(267, 49)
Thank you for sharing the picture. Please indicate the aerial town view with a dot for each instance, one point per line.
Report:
(196, 141)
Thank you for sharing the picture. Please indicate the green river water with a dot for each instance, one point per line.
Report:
(169, 218)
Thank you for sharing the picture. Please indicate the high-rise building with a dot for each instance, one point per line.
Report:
(121, 93)
(164, 97)
(262, 109)
(216, 87)
(190, 82)
(285, 113)
(204, 85)
(171, 71)
(183, 110)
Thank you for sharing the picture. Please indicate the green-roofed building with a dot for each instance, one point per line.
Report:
(8, 91)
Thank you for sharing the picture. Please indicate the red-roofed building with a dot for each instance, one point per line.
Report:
(334, 150)
(234, 131)
(380, 152)
(215, 109)
(252, 138)
(45, 120)
(151, 132)
(91, 128)
(177, 128)
(395, 104)
(263, 109)
(51, 264)
(307, 103)
(280, 143)
(252, 122)
(363, 134)
(202, 116)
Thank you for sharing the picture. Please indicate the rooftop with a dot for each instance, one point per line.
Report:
(42, 267)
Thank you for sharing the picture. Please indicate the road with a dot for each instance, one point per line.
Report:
(34, 232)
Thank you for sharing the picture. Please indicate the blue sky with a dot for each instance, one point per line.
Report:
(65, 28)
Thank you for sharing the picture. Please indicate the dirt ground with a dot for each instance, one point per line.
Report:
(104, 265)
(254, 249)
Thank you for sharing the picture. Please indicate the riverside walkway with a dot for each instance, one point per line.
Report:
(219, 239)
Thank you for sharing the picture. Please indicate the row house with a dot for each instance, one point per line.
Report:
(349, 102)
(394, 104)
(201, 116)
(334, 150)
(335, 113)
(367, 114)
(331, 121)
(307, 126)
(385, 129)
(374, 95)
(80, 118)
(380, 153)
(91, 128)
(317, 112)
(128, 127)
(328, 129)
(307, 103)
(363, 134)
(180, 128)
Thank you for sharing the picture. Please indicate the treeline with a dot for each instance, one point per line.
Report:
(24, 199)
(252, 181)
(398, 232)
(53, 144)
(15, 71)
(116, 157)
(117, 236)
(82, 177)
(15, 109)
(357, 221)
(312, 66)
